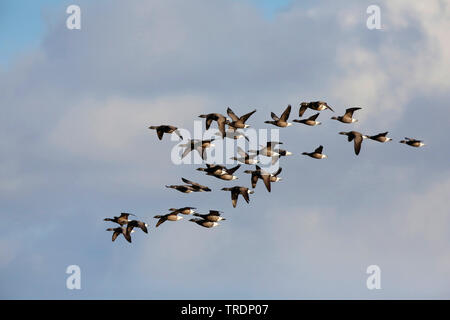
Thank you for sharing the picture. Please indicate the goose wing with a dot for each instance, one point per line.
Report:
(319, 149)
(286, 114)
(246, 116)
(232, 115)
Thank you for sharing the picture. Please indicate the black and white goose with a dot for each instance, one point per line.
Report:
(184, 210)
(311, 121)
(213, 216)
(220, 119)
(413, 142)
(204, 223)
(136, 224)
(225, 174)
(316, 154)
(189, 187)
(233, 134)
(122, 219)
(160, 130)
(356, 137)
(281, 121)
(245, 157)
(266, 177)
(236, 191)
(314, 105)
(199, 145)
(238, 122)
(167, 217)
(348, 116)
(214, 169)
(381, 137)
(120, 231)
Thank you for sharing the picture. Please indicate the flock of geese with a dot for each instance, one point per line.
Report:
(271, 149)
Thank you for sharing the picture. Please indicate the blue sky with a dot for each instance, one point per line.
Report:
(22, 24)
(75, 148)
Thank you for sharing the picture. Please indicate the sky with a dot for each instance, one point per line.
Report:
(75, 148)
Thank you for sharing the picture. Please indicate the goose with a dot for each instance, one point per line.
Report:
(120, 230)
(381, 137)
(236, 191)
(199, 145)
(226, 174)
(214, 169)
(269, 150)
(281, 153)
(160, 130)
(413, 142)
(220, 119)
(317, 154)
(238, 123)
(136, 224)
(167, 217)
(232, 134)
(348, 116)
(213, 216)
(314, 105)
(122, 219)
(190, 187)
(204, 223)
(245, 158)
(184, 210)
(311, 121)
(265, 176)
(357, 137)
(281, 121)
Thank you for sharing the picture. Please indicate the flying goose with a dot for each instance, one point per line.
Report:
(213, 216)
(236, 191)
(348, 116)
(413, 142)
(120, 230)
(357, 137)
(214, 169)
(311, 121)
(232, 134)
(122, 219)
(184, 210)
(160, 130)
(189, 187)
(220, 119)
(269, 150)
(317, 154)
(245, 158)
(172, 216)
(263, 175)
(204, 223)
(314, 105)
(381, 137)
(281, 121)
(136, 224)
(238, 123)
(225, 174)
(199, 145)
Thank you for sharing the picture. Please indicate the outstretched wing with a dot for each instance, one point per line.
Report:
(232, 170)
(254, 180)
(266, 179)
(286, 114)
(274, 116)
(302, 110)
(349, 112)
(234, 197)
(358, 142)
(232, 115)
(241, 152)
(319, 149)
(160, 133)
(314, 117)
(246, 116)
(278, 172)
(244, 193)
